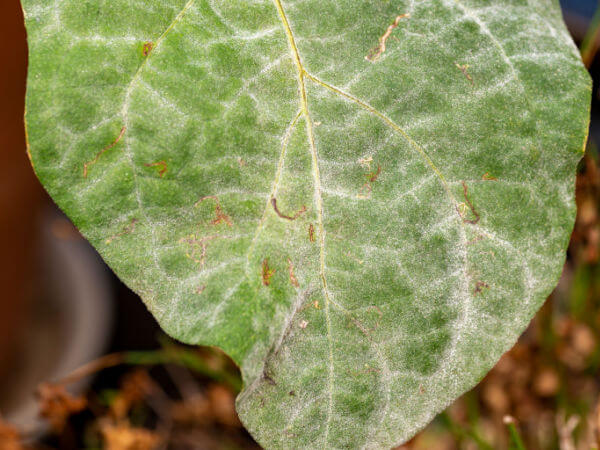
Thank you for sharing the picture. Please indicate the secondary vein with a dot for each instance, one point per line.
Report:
(390, 123)
(284, 145)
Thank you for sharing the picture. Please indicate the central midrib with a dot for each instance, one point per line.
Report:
(301, 72)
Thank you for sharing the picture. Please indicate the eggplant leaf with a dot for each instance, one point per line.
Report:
(363, 202)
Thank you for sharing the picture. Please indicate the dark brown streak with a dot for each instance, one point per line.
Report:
(479, 287)
(374, 175)
(311, 232)
(463, 68)
(101, 152)
(221, 217)
(147, 48)
(126, 230)
(267, 272)
(376, 52)
(283, 216)
(269, 379)
(293, 278)
(465, 192)
(162, 167)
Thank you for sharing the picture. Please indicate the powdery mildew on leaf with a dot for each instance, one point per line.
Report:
(362, 202)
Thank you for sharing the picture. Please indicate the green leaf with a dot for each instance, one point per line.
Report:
(363, 202)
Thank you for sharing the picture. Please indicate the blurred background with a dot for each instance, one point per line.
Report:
(83, 365)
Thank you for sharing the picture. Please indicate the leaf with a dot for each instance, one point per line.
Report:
(362, 202)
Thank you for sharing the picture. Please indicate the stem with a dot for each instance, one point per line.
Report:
(167, 355)
(104, 362)
(515, 437)
(186, 358)
(461, 433)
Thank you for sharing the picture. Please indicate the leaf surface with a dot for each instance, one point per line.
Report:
(363, 202)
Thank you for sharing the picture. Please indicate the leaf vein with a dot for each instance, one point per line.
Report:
(319, 201)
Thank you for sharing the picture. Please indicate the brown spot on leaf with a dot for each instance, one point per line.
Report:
(470, 205)
(147, 48)
(479, 287)
(200, 289)
(221, 217)
(311, 232)
(162, 167)
(353, 321)
(486, 176)
(101, 152)
(372, 177)
(293, 278)
(376, 52)
(267, 272)
(283, 216)
(463, 68)
(269, 379)
(198, 247)
(366, 189)
(126, 230)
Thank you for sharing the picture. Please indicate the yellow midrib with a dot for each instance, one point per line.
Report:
(318, 197)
